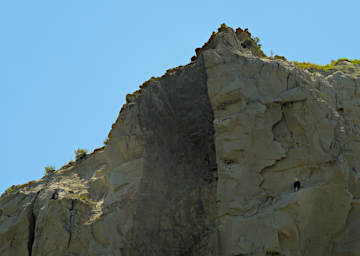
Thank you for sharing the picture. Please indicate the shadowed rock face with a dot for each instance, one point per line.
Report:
(150, 191)
(177, 193)
(201, 162)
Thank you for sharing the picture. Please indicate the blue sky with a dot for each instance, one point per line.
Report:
(66, 66)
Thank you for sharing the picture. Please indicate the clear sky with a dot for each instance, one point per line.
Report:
(66, 66)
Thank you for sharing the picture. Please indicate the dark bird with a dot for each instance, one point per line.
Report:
(296, 185)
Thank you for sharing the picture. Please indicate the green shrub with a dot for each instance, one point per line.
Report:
(356, 62)
(271, 53)
(49, 169)
(332, 65)
(8, 190)
(83, 198)
(80, 153)
(13, 187)
(278, 57)
(258, 46)
(257, 41)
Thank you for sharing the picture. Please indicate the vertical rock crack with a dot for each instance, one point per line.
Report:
(71, 222)
(32, 225)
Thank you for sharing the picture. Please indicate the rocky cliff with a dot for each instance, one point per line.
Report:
(202, 161)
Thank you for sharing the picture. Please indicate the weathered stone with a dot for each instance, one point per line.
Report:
(201, 162)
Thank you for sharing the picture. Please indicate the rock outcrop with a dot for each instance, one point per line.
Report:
(202, 161)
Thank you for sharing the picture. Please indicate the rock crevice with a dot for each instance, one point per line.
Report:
(71, 222)
(32, 225)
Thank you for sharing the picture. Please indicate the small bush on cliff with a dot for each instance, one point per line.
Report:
(309, 65)
(356, 62)
(80, 153)
(8, 190)
(13, 187)
(271, 53)
(333, 65)
(83, 198)
(256, 40)
(279, 57)
(49, 169)
(248, 42)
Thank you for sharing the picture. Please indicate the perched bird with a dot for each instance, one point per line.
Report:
(296, 185)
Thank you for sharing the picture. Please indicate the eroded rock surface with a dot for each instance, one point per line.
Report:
(202, 162)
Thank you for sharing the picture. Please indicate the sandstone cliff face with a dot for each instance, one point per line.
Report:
(202, 162)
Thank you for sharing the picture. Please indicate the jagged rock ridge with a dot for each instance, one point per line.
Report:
(202, 162)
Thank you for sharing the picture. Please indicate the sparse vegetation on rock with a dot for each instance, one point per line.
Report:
(83, 198)
(258, 45)
(9, 189)
(333, 65)
(49, 169)
(80, 153)
(14, 187)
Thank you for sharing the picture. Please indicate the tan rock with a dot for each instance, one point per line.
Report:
(201, 162)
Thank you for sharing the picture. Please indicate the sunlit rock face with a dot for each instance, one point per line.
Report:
(202, 162)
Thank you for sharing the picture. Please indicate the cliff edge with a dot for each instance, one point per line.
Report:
(202, 162)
